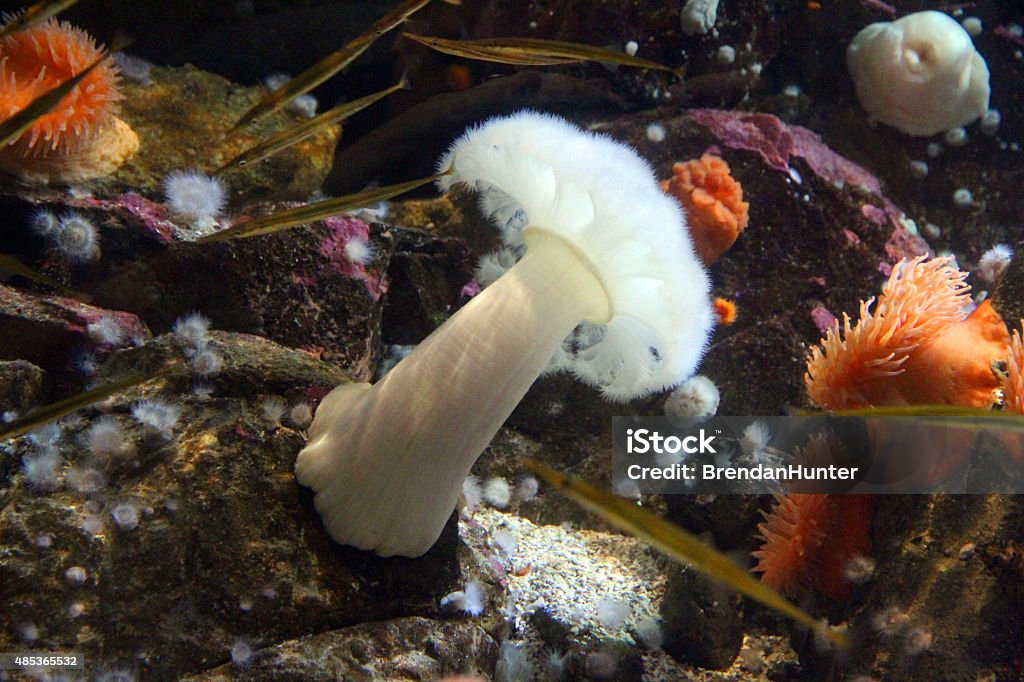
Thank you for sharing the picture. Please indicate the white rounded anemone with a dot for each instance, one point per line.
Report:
(607, 264)
(919, 74)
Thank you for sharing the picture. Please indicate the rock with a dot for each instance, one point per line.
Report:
(46, 330)
(391, 651)
(299, 288)
(701, 621)
(224, 544)
(427, 276)
(1008, 295)
(409, 144)
(193, 135)
(296, 288)
(552, 585)
(954, 602)
(21, 383)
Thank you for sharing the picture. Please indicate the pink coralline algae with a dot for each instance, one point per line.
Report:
(778, 144)
(874, 214)
(470, 289)
(1008, 34)
(342, 231)
(823, 318)
(880, 6)
(149, 215)
(130, 325)
(56, 321)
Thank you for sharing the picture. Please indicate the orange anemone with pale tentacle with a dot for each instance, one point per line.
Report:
(810, 540)
(713, 201)
(917, 347)
(81, 138)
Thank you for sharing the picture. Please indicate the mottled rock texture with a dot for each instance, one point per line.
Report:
(390, 651)
(227, 544)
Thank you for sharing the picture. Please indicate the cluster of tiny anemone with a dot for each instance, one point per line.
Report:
(191, 333)
(72, 234)
(158, 417)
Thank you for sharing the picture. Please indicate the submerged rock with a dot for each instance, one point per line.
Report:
(220, 543)
(192, 134)
(390, 651)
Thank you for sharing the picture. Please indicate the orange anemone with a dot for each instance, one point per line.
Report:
(916, 347)
(810, 539)
(713, 201)
(725, 310)
(82, 138)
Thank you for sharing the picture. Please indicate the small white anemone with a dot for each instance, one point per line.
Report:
(694, 400)
(195, 197)
(919, 74)
(603, 246)
(359, 251)
(77, 238)
(993, 262)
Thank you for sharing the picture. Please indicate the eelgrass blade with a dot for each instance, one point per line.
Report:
(13, 266)
(15, 126)
(951, 416)
(308, 213)
(917, 411)
(534, 52)
(295, 134)
(330, 65)
(48, 413)
(675, 543)
(36, 14)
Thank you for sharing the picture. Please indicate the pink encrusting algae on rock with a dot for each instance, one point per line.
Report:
(343, 232)
(779, 144)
